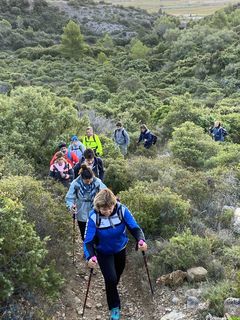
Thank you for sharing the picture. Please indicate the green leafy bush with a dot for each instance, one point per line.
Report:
(33, 120)
(216, 296)
(159, 210)
(184, 251)
(43, 209)
(191, 145)
(22, 255)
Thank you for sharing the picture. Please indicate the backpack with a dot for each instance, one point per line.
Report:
(154, 138)
(123, 134)
(119, 213)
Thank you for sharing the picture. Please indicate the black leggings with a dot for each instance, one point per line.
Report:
(112, 267)
(82, 227)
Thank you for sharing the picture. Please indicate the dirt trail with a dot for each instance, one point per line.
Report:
(136, 305)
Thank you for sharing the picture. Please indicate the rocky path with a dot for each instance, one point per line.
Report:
(136, 299)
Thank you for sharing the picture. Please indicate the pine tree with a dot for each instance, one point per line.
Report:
(72, 40)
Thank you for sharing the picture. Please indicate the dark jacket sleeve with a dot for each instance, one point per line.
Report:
(100, 168)
(133, 226)
(140, 137)
(76, 169)
(71, 174)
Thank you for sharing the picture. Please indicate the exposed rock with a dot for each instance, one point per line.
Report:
(236, 221)
(192, 302)
(210, 317)
(175, 300)
(232, 306)
(173, 279)
(174, 315)
(194, 293)
(196, 274)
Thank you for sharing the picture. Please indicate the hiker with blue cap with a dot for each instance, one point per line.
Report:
(76, 146)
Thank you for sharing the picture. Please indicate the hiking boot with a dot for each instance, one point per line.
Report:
(115, 314)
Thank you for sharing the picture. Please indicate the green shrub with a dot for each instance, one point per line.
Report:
(232, 256)
(216, 296)
(22, 255)
(117, 176)
(184, 251)
(45, 210)
(191, 145)
(33, 120)
(159, 210)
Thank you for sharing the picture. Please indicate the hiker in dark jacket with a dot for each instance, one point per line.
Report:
(93, 162)
(61, 170)
(218, 132)
(106, 238)
(145, 136)
(80, 195)
(121, 138)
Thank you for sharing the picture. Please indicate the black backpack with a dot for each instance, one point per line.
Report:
(154, 138)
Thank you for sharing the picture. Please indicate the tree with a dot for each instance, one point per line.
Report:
(72, 40)
(138, 50)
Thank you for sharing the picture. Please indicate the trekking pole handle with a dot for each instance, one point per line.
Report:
(94, 259)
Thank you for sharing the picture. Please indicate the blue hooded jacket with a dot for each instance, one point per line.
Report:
(108, 234)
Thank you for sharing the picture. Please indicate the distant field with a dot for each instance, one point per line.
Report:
(177, 7)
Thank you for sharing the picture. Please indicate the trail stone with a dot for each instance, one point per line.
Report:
(236, 221)
(193, 292)
(232, 306)
(77, 300)
(99, 305)
(196, 274)
(174, 315)
(192, 302)
(172, 279)
(175, 300)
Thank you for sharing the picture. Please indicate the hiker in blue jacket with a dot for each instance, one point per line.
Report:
(80, 195)
(76, 146)
(218, 132)
(106, 238)
(121, 138)
(146, 136)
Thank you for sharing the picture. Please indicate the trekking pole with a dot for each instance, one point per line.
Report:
(88, 286)
(74, 236)
(146, 266)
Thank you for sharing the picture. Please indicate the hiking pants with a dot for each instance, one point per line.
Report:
(112, 267)
(82, 227)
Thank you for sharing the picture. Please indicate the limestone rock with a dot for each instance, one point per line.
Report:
(173, 279)
(232, 306)
(174, 315)
(192, 302)
(196, 274)
(236, 221)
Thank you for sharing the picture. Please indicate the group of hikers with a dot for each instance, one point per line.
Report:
(101, 218)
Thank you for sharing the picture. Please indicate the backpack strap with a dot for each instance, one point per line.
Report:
(119, 213)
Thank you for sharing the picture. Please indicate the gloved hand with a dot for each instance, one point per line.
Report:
(92, 263)
(142, 246)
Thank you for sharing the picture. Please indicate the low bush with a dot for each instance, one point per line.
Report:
(159, 210)
(184, 251)
(22, 265)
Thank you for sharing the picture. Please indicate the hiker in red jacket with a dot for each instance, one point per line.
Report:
(70, 156)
